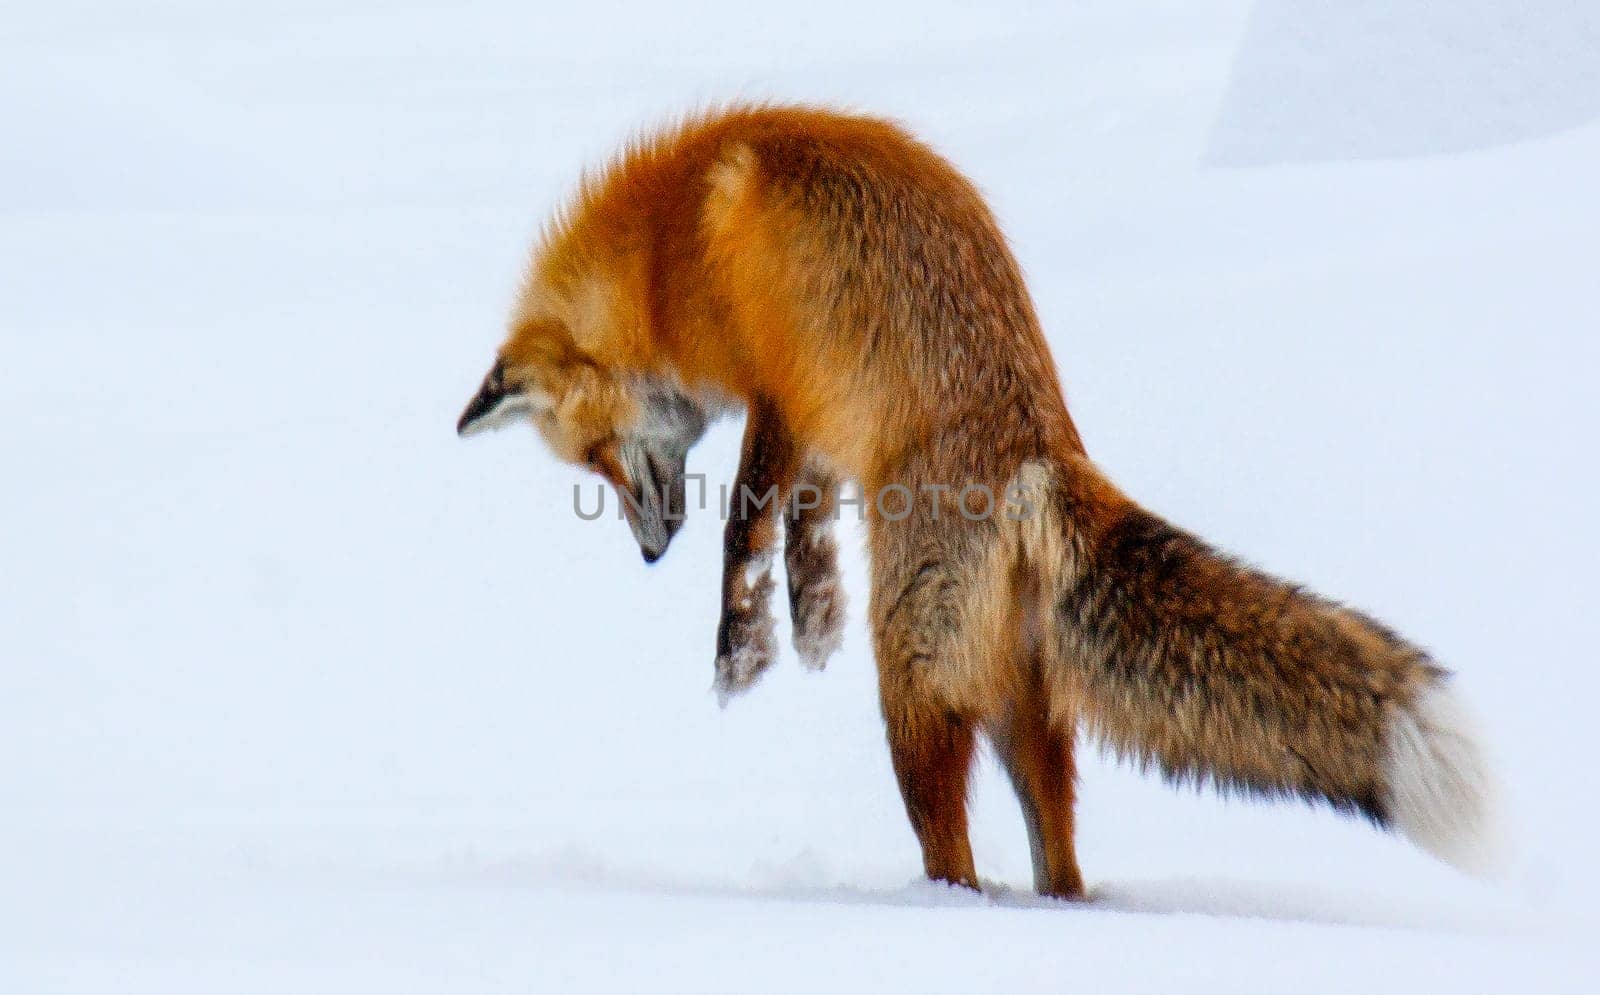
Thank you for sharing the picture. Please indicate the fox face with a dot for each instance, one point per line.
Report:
(634, 430)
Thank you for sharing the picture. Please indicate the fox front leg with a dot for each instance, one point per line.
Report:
(811, 560)
(768, 462)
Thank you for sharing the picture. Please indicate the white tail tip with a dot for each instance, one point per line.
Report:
(1438, 790)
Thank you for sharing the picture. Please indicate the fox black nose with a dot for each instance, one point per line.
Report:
(650, 555)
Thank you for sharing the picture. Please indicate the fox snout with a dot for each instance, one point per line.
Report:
(655, 508)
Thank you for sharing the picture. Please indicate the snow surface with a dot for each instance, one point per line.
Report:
(1342, 79)
(301, 693)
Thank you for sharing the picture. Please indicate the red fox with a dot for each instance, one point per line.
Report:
(851, 291)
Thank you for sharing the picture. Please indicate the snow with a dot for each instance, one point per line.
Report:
(301, 692)
(1375, 79)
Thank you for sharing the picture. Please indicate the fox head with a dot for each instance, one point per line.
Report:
(634, 429)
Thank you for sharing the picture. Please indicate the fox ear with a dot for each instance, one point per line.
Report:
(498, 403)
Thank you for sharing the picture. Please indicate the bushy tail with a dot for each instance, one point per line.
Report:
(1212, 672)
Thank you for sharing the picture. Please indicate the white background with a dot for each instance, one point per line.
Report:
(300, 693)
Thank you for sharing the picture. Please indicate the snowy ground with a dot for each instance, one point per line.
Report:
(299, 693)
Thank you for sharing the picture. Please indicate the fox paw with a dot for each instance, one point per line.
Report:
(739, 670)
(818, 613)
(746, 645)
(816, 595)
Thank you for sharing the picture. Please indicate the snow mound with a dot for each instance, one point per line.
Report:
(1370, 79)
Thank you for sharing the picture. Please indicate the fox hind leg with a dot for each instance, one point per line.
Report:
(919, 610)
(1037, 755)
(932, 753)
